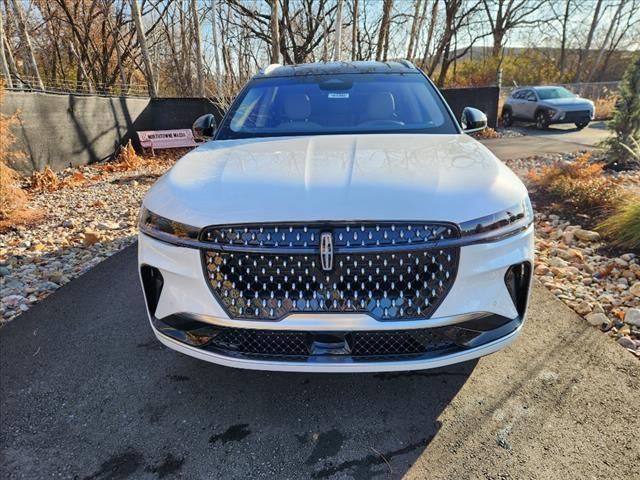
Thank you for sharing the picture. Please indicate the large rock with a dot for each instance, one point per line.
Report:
(557, 262)
(586, 235)
(91, 237)
(597, 319)
(635, 289)
(632, 317)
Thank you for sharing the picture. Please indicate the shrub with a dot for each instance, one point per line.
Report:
(579, 185)
(625, 124)
(12, 197)
(623, 227)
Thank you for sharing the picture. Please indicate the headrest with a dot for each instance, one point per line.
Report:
(297, 106)
(381, 106)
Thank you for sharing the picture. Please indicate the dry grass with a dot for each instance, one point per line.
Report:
(12, 197)
(604, 107)
(623, 227)
(578, 186)
(487, 133)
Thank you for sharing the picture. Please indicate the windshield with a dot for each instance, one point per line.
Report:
(553, 92)
(335, 104)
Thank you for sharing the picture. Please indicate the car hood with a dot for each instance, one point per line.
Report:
(344, 177)
(572, 103)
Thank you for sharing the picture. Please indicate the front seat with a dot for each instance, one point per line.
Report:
(381, 109)
(297, 110)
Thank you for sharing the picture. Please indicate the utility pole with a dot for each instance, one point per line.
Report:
(338, 43)
(142, 41)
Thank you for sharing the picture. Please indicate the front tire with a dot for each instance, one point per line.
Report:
(507, 118)
(581, 125)
(542, 121)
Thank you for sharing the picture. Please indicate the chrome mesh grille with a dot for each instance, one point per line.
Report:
(358, 344)
(344, 235)
(387, 279)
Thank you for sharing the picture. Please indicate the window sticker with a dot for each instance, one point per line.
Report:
(338, 95)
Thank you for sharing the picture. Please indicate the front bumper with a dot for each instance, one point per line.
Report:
(479, 291)
(571, 116)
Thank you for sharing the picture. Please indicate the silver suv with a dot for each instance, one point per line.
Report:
(547, 105)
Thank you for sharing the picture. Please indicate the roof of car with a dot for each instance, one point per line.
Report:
(537, 87)
(332, 68)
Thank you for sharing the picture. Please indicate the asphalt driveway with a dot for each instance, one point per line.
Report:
(88, 393)
(558, 138)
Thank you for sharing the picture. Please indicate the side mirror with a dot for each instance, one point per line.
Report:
(204, 127)
(473, 120)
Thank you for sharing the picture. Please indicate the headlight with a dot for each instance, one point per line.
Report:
(165, 229)
(499, 225)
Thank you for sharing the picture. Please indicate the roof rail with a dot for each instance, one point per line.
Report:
(406, 63)
(269, 69)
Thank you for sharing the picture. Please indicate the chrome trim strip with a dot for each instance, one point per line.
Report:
(334, 322)
(418, 364)
(486, 237)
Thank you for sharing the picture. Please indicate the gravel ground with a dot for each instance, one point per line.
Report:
(575, 265)
(82, 226)
(87, 223)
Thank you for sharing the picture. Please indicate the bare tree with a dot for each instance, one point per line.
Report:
(354, 30)
(28, 47)
(142, 41)
(584, 52)
(615, 22)
(198, 41)
(415, 28)
(563, 41)
(432, 26)
(3, 58)
(383, 34)
(275, 32)
(214, 35)
(506, 15)
(338, 41)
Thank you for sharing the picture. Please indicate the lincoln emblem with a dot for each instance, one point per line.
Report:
(326, 251)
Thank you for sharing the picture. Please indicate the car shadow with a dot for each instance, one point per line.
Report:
(353, 425)
(560, 129)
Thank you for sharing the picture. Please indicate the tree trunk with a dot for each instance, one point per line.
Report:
(563, 42)
(584, 53)
(26, 39)
(354, 31)
(13, 68)
(384, 28)
(432, 26)
(614, 23)
(142, 41)
(198, 39)
(3, 57)
(275, 32)
(81, 67)
(414, 29)
(214, 31)
(338, 42)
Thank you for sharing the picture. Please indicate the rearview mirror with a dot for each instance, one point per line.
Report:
(204, 127)
(473, 120)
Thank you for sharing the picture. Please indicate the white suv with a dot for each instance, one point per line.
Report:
(339, 221)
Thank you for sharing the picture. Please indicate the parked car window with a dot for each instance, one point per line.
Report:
(530, 95)
(549, 93)
(335, 104)
(518, 94)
